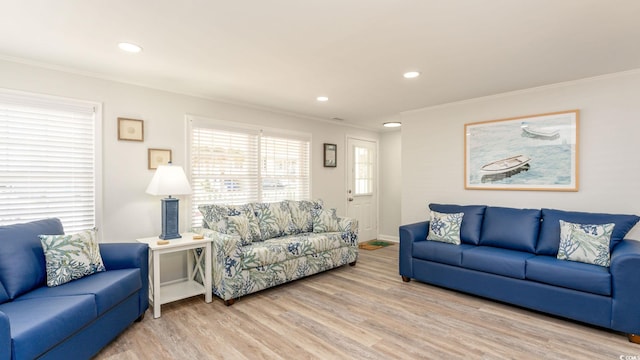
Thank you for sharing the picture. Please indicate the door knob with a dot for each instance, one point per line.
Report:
(350, 199)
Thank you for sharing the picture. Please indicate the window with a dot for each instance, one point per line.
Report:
(236, 165)
(48, 160)
(363, 167)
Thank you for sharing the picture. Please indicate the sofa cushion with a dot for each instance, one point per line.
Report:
(109, 288)
(439, 252)
(276, 250)
(70, 257)
(4, 297)
(39, 324)
(471, 221)
(239, 225)
(568, 274)
(585, 243)
(508, 228)
(216, 217)
(274, 219)
(496, 261)
(325, 220)
(301, 214)
(550, 228)
(22, 264)
(445, 227)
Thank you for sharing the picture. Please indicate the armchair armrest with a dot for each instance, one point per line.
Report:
(625, 286)
(409, 234)
(349, 229)
(5, 337)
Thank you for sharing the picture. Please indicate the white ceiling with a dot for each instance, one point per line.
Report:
(282, 54)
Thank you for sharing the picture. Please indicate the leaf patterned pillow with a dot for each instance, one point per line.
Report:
(71, 257)
(445, 227)
(239, 225)
(325, 220)
(585, 243)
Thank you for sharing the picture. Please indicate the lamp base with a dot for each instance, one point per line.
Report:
(170, 218)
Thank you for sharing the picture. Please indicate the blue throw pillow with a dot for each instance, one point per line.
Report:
(471, 221)
(550, 229)
(508, 228)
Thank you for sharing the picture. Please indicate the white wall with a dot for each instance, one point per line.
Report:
(130, 213)
(390, 185)
(609, 173)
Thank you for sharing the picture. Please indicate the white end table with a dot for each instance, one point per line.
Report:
(162, 293)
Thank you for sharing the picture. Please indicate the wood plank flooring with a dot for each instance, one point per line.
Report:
(361, 312)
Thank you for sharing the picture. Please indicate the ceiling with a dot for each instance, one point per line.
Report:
(282, 54)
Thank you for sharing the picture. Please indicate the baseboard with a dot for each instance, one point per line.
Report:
(388, 238)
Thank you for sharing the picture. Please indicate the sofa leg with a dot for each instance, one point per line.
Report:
(406, 278)
(229, 302)
(353, 263)
(141, 317)
(634, 338)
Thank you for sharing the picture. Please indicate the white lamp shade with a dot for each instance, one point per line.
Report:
(169, 180)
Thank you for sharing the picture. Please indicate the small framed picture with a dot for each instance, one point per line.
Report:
(158, 157)
(330, 155)
(130, 129)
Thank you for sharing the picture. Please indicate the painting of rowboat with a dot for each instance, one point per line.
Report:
(537, 152)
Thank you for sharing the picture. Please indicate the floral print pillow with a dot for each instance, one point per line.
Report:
(239, 225)
(585, 243)
(445, 227)
(71, 257)
(325, 220)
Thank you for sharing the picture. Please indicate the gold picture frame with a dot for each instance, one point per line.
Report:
(130, 129)
(158, 157)
(535, 152)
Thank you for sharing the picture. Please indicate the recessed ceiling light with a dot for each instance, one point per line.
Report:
(392, 124)
(128, 47)
(322, 98)
(411, 74)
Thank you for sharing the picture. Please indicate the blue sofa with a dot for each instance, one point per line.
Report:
(509, 255)
(73, 320)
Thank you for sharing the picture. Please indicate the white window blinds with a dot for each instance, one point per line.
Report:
(47, 160)
(236, 165)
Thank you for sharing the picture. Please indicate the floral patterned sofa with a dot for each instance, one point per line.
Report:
(260, 245)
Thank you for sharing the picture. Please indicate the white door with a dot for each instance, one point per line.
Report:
(362, 203)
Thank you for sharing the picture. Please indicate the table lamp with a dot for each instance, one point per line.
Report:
(169, 180)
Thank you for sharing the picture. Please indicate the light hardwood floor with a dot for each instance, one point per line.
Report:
(361, 312)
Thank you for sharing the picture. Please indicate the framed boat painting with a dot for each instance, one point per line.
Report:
(536, 152)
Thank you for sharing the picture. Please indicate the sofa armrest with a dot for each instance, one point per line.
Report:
(349, 229)
(226, 262)
(5, 337)
(129, 256)
(409, 234)
(124, 255)
(625, 286)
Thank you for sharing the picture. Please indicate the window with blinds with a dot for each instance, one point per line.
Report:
(47, 160)
(235, 165)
